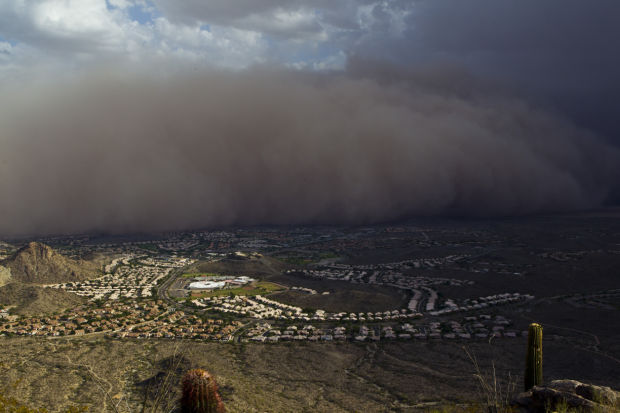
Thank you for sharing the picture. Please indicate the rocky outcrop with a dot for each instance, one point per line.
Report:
(569, 394)
(5, 275)
(39, 264)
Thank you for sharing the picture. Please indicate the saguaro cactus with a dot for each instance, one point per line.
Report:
(200, 393)
(534, 360)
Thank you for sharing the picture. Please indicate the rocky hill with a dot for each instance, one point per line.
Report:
(38, 263)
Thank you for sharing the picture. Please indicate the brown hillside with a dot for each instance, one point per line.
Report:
(40, 264)
(31, 300)
(5, 275)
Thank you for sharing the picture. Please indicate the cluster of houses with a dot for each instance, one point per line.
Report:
(179, 325)
(263, 308)
(84, 245)
(87, 319)
(308, 290)
(482, 302)
(474, 327)
(265, 333)
(124, 259)
(252, 306)
(128, 277)
(136, 319)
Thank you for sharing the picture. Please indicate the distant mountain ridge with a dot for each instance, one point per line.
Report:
(37, 263)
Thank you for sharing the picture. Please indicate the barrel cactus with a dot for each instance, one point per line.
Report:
(200, 393)
(534, 360)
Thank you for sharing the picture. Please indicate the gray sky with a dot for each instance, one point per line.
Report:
(561, 52)
(270, 111)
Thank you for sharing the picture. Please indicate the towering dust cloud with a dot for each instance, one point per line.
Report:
(122, 153)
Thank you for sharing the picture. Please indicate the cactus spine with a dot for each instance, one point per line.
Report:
(534, 360)
(200, 393)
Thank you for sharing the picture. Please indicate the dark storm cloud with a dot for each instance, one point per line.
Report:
(121, 152)
(561, 52)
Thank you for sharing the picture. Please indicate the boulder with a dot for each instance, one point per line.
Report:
(571, 394)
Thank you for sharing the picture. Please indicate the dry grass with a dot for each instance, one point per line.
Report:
(497, 394)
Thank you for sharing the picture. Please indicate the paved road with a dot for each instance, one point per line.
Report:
(162, 290)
